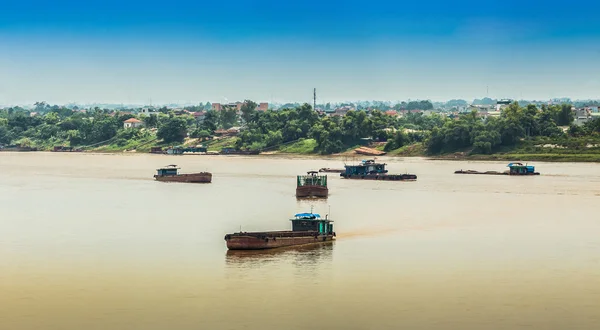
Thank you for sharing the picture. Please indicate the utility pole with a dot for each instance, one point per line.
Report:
(315, 99)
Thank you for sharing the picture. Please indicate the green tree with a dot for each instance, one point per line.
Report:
(399, 140)
(248, 108)
(211, 121)
(200, 134)
(174, 129)
(227, 118)
(75, 138)
(150, 121)
(51, 118)
(5, 135)
(103, 128)
(565, 117)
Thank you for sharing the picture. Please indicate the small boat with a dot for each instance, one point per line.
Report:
(170, 173)
(331, 170)
(513, 169)
(307, 228)
(311, 185)
(369, 170)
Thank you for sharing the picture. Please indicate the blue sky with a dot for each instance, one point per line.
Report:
(190, 51)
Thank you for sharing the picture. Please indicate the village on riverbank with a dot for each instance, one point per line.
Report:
(555, 130)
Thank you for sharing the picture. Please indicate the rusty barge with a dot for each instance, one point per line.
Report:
(311, 185)
(307, 228)
(513, 169)
(370, 170)
(171, 173)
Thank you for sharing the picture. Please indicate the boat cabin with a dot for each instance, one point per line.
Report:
(520, 169)
(312, 222)
(366, 167)
(168, 170)
(311, 178)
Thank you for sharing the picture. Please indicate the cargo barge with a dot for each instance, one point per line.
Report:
(332, 170)
(311, 185)
(170, 173)
(234, 151)
(513, 169)
(307, 228)
(66, 149)
(370, 170)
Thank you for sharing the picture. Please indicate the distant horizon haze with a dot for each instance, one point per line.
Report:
(186, 52)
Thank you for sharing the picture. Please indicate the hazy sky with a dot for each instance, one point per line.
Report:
(189, 51)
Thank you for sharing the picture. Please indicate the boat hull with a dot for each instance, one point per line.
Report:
(264, 241)
(312, 191)
(189, 178)
(332, 170)
(381, 177)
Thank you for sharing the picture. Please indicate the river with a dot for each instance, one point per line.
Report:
(91, 241)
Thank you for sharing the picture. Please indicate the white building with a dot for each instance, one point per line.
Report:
(133, 123)
(147, 112)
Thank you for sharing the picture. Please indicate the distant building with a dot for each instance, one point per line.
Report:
(342, 111)
(132, 123)
(582, 115)
(492, 114)
(503, 104)
(263, 106)
(147, 112)
(218, 106)
(199, 116)
(404, 112)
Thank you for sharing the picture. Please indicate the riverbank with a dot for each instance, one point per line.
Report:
(304, 148)
(574, 158)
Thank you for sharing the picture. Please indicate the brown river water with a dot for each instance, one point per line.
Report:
(91, 241)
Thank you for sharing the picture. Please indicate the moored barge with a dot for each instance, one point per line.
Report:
(311, 185)
(513, 169)
(66, 149)
(332, 170)
(234, 151)
(170, 173)
(307, 228)
(370, 170)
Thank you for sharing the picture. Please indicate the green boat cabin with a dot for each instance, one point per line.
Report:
(311, 179)
(520, 169)
(168, 170)
(312, 222)
(365, 167)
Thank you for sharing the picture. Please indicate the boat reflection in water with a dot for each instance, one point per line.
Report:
(304, 255)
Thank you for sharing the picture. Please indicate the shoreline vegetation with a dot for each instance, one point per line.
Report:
(531, 133)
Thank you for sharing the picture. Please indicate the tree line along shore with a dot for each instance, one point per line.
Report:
(543, 133)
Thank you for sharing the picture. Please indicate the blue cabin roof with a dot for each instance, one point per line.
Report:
(528, 167)
(307, 215)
